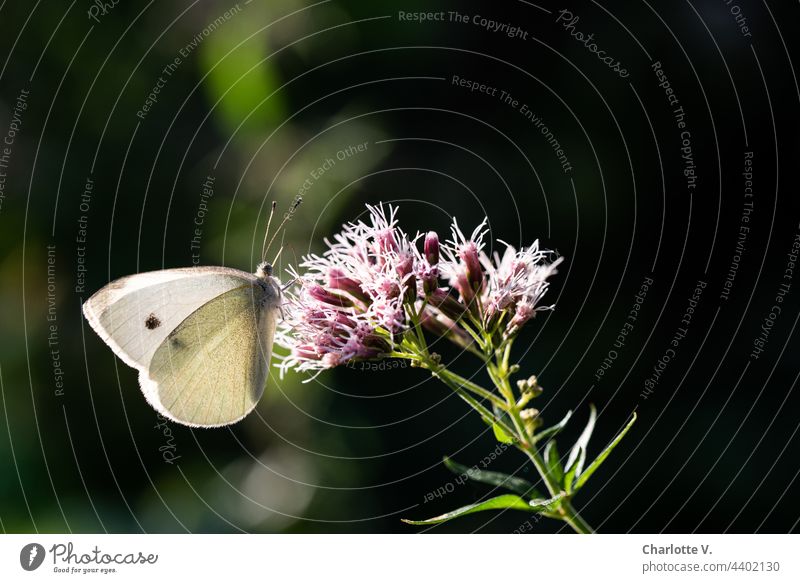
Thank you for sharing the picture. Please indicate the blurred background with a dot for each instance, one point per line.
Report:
(143, 136)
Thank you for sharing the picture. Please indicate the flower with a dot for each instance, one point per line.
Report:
(373, 284)
(516, 283)
(463, 263)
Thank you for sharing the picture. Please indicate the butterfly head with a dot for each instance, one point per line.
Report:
(264, 270)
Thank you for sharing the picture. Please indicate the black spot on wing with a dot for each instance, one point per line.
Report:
(152, 322)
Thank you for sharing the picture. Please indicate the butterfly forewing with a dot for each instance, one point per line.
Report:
(135, 314)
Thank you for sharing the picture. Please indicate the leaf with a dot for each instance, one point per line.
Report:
(602, 457)
(553, 461)
(552, 431)
(500, 435)
(504, 501)
(518, 485)
(577, 455)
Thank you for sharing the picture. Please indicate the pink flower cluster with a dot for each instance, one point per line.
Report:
(356, 300)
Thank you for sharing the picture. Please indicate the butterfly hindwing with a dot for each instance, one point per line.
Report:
(211, 370)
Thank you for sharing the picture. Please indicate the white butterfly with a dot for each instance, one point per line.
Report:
(200, 337)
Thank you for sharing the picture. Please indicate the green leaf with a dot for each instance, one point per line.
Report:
(553, 461)
(577, 455)
(552, 431)
(518, 485)
(602, 457)
(500, 435)
(511, 501)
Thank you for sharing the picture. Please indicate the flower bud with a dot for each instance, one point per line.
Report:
(465, 289)
(429, 275)
(443, 326)
(528, 389)
(324, 296)
(432, 248)
(405, 269)
(530, 385)
(446, 303)
(472, 265)
(531, 420)
(337, 280)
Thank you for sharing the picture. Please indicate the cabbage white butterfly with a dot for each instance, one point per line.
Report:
(200, 337)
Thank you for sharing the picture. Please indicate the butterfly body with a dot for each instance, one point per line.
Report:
(200, 337)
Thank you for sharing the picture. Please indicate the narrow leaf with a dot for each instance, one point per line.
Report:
(500, 434)
(552, 431)
(577, 455)
(553, 460)
(518, 485)
(511, 501)
(602, 457)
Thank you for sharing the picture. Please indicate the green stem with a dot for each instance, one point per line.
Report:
(470, 386)
(416, 349)
(565, 510)
(437, 370)
(524, 443)
(574, 519)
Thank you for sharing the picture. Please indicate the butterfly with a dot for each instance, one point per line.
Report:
(200, 337)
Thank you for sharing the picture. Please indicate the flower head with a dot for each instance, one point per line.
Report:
(373, 284)
(516, 283)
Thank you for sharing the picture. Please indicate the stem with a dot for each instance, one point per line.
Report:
(574, 519)
(470, 386)
(416, 349)
(565, 510)
(524, 443)
(442, 373)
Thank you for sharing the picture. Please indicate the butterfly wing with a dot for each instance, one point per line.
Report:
(200, 337)
(211, 370)
(134, 314)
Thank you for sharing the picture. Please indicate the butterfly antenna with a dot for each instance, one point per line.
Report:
(266, 232)
(286, 218)
(277, 255)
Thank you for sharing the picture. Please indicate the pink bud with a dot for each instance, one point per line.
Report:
(339, 281)
(468, 253)
(429, 274)
(432, 248)
(446, 303)
(325, 296)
